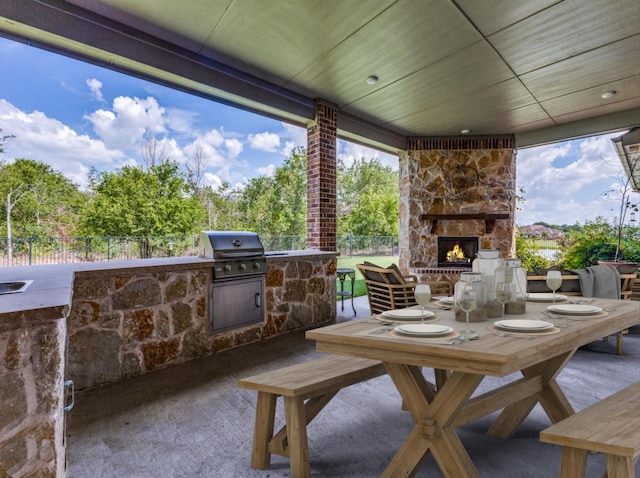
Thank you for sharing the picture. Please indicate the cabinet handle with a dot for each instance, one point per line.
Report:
(258, 300)
(68, 384)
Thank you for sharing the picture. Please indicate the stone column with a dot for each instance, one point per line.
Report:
(31, 400)
(321, 178)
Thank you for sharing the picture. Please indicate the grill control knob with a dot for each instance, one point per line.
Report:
(257, 266)
(243, 267)
(227, 268)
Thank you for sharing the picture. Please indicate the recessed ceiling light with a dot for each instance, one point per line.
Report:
(465, 131)
(608, 94)
(372, 80)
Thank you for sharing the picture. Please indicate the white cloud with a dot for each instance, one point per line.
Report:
(288, 147)
(564, 182)
(213, 180)
(349, 152)
(179, 120)
(49, 141)
(234, 148)
(127, 122)
(268, 170)
(296, 135)
(221, 154)
(95, 86)
(264, 141)
(172, 150)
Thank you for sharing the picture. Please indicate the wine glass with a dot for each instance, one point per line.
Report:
(423, 296)
(554, 281)
(467, 303)
(504, 294)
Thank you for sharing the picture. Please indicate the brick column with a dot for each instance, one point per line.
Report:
(321, 178)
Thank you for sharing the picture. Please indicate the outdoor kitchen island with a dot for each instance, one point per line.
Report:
(123, 319)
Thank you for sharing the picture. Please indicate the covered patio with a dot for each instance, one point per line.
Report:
(453, 88)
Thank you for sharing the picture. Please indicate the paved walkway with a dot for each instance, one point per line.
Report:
(361, 305)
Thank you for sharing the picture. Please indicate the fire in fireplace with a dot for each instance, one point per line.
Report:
(457, 251)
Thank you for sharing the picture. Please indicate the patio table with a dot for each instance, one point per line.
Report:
(539, 360)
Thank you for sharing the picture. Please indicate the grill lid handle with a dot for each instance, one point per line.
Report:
(237, 242)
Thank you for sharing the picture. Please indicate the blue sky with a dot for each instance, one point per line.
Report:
(74, 116)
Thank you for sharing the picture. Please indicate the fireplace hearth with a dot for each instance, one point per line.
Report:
(457, 251)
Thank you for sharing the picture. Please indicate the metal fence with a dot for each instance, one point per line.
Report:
(59, 250)
(367, 245)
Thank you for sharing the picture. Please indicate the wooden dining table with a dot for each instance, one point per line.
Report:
(438, 410)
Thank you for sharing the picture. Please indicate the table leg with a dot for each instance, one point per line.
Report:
(551, 398)
(433, 431)
(353, 286)
(342, 290)
(574, 463)
(263, 431)
(297, 437)
(620, 466)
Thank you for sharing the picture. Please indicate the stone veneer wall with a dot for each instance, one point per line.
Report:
(127, 322)
(31, 401)
(455, 176)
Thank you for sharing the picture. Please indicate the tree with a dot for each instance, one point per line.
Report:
(368, 199)
(222, 207)
(38, 201)
(584, 247)
(623, 192)
(135, 201)
(277, 205)
(195, 167)
(4, 139)
(152, 150)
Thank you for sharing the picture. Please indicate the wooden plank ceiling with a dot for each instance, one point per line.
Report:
(536, 69)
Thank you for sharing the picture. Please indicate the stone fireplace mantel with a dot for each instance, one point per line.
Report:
(489, 219)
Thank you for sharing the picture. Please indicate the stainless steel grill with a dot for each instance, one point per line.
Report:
(236, 253)
(237, 288)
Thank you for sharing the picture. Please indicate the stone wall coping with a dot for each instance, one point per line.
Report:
(49, 296)
(292, 255)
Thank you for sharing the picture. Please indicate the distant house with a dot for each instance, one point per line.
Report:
(542, 232)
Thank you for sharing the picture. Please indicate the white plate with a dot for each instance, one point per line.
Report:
(425, 330)
(446, 300)
(407, 314)
(574, 309)
(524, 325)
(544, 297)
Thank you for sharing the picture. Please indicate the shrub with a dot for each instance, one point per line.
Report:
(526, 251)
(595, 241)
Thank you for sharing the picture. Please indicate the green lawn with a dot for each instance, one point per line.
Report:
(346, 261)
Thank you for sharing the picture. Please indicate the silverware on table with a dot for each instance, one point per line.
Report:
(517, 336)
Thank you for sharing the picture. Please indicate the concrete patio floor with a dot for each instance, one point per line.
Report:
(192, 421)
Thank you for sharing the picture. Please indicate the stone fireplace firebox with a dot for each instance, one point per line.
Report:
(457, 251)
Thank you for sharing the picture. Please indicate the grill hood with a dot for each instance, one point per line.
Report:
(226, 245)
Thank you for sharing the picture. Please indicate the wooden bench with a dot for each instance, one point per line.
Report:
(611, 426)
(316, 381)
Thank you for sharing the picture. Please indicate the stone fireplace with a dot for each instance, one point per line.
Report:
(459, 187)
